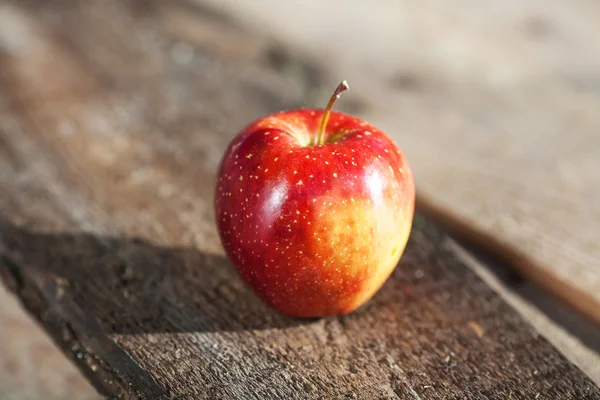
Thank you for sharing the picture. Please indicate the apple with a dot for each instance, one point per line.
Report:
(314, 208)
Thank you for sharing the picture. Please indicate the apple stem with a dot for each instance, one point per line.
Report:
(342, 87)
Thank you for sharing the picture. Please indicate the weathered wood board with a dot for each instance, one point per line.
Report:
(31, 367)
(496, 104)
(109, 138)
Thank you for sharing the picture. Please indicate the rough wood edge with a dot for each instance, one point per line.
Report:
(81, 340)
(579, 301)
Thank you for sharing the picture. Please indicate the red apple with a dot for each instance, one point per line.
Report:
(314, 209)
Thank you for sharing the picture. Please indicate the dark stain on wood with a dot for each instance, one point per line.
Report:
(406, 82)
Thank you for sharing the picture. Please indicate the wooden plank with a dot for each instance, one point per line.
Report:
(106, 182)
(31, 366)
(498, 113)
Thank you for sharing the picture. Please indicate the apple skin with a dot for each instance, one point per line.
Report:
(314, 230)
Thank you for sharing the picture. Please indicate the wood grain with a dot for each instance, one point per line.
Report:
(31, 366)
(109, 139)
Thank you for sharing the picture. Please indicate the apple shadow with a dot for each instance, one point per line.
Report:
(132, 286)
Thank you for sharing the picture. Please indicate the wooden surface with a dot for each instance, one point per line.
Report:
(30, 366)
(496, 105)
(110, 130)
